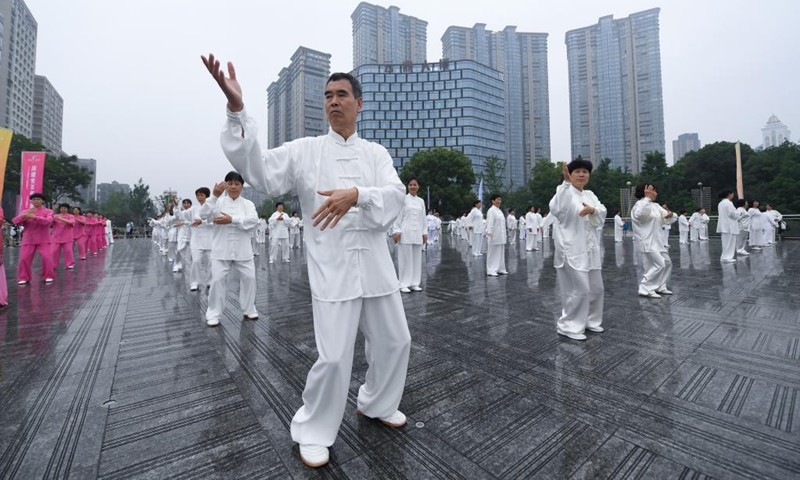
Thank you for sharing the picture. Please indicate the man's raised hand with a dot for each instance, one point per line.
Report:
(229, 85)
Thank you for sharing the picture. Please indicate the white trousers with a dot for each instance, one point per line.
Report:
(741, 239)
(409, 264)
(582, 298)
(657, 268)
(294, 239)
(728, 246)
(684, 236)
(172, 250)
(387, 342)
(110, 238)
(260, 236)
(704, 232)
(200, 272)
(522, 233)
(281, 245)
(538, 236)
(618, 235)
(184, 254)
(512, 237)
(665, 236)
(756, 237)
(496, 258)
(530, 241)
(768, 233)
(254, 244)
(771, 238)
(247, 287)
(477, 243)
(695, 235)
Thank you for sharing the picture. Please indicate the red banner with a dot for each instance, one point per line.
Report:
(32, 178)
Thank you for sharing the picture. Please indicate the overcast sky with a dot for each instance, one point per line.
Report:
(138, 100)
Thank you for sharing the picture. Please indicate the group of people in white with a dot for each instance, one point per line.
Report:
(356, 196)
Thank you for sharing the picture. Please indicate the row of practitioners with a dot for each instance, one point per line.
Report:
(54, 236)
(531, 227)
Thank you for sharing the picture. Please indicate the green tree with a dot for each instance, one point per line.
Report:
(63, 178)
(493, 177)
(545, 178)
(117, 208)
(139, 203)
(449, 175)
(606, 182)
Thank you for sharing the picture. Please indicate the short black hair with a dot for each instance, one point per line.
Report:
(740, 202)
(641, 188)
(38, 195)
(354, 83)
(186, 200)
(79, 209)
(725, 193)
(279, 204)
(294, 212)
(476, 202)
(579, 163)
(204, 190)
(66, 205)
(412, 179)
(494, 197)
(683, 212)
(234, 176)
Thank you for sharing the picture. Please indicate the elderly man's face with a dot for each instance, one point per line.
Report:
(340, 105)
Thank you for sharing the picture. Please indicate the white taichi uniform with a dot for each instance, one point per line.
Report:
(279, 221)
(496, 242)
(756, 228)
(511, 225)
(774, 218)
(744, 230)
(648, 217)
(353, 282)
(728, 228)
(294, 232)
(200, 244)
(619, 228)
(577, 258)
(538, 232)
(704, 227)
(110, 233)
(523, 228)
(231, 248)
(548, 221)
(184, 253)
(683, 229)
(411, 225)
(695, 225)
(532, 225)
(261, 231)
(431, 222)
(475, 220)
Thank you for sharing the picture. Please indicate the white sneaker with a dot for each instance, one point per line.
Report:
(395, 420)
(48, 280)
(664, 291)
(596, 329)
(252, 317)
(314, 455)
(176, 269)
(212, 322)
(416, 289)
(22, 282)
(405, 290)
(743, 253)
(643, 293)
(492, 274)
(574, 336)
(193, 287)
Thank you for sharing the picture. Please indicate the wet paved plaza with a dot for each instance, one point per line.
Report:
(111, 372)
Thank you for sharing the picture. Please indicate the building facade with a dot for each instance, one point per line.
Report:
(615, 94)
(385, 36)
(18, 33)
(89, 194)
(412, 107)
(775, 133)
(105, 190)
(687, 142)
(295, 102)
(522, 59)
(48, 115)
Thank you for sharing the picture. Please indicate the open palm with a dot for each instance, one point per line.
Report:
(229, 85)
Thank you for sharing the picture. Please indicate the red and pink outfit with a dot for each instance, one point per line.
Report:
(79, 235)
(91, 237)
(35, 238)
(101, 233)
(3, 283)
(63, 239)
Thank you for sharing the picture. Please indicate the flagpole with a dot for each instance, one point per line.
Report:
(739, 180)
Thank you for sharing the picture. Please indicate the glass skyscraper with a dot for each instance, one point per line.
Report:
(615, 95)
(522, 58)
(411, 107)
(385, 36)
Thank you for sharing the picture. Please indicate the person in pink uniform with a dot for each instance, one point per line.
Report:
(37, 221)
(63, 224)
(88, 230)
(100, 231)
(3, 284)
(78, 232)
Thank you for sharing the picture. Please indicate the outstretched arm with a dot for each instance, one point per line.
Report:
(229, 85)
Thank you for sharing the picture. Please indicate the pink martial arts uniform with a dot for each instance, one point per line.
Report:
(79, 235)
(100, 233)
(35, 238)
(62, 240)
(3, 284)
(91, 238)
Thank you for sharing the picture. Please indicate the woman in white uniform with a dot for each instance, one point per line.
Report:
(410, 233)
(683, 228)
(648, 218)
(496, 239)
(511, 224)
(619, 225)
(744, 227)
(532, 227)
(578, 213)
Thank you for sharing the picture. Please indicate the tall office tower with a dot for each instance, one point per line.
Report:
(385, 36)
(89, 193)
(416, 107)
(48, 115)
(615, 98)
(296, 103)
(686, 142)
(18, 31)
(522, 58)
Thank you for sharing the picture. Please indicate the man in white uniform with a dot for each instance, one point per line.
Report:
(200, 244)
(234, 219)
(294, 230)
(511, 224)
(430, 221)
(351, 184)
(744, 227)
(683, 228)
(727, 226)
(619, 227)
(696, 225)
(648, 217)
(475, 226)
(774, 217)
(532, 225)
(279, 221)
(496, 239)
(704, 219)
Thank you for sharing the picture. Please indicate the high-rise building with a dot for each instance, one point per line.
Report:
(615, 96)
(384, 36)
(687, 142)
(18, 30)
(48, 115)
(522, 59)
(104, 191)
(456, 105)
(295, 102)
(89, 194)
(775, 133)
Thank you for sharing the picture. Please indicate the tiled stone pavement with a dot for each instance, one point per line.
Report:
(111, 373)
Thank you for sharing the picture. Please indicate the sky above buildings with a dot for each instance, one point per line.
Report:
(137, 97)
